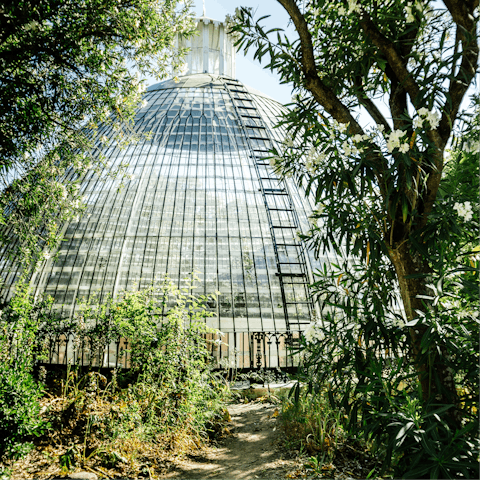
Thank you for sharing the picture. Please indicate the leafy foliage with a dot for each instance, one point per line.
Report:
(380, 96)
(361, 348)
(165, 330)
(168, 399)
(66, 66)
(19, 392)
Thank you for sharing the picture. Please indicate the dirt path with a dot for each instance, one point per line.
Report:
(252, 451)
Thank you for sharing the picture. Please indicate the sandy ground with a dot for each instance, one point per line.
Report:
(252, 451)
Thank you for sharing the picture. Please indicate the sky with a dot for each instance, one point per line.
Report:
(249, 71)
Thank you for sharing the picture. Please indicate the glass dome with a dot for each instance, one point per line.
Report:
(202, 198)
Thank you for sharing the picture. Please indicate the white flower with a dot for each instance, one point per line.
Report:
(309, 165)
(409, 11)
(341, 11)
(319, 208)
(289, 142)
(400, 323)
(320, 158)
(274, 161)
(418, 122)
(404, 148)
(393, 140)
(433, 118)
(313, 333)
(353, 7)
(46, 255)
(358, 138)
(347, 149)
(464, 210)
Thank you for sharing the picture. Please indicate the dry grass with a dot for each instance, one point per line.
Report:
(110, 432)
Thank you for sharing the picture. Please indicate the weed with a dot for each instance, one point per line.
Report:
(311, 424)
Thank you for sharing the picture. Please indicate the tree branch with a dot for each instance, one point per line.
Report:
(369, 106)
(462, 14)
(324, 95)
(393, 58)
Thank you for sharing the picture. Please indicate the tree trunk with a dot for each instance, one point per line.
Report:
(435, 378)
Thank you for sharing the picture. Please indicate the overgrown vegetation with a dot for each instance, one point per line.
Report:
(361, 348)
(126, 420)
(319, 434)
(19, 392)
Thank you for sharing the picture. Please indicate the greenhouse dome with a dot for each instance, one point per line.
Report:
(202, 198)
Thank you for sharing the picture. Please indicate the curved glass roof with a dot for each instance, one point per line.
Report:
(201, 199)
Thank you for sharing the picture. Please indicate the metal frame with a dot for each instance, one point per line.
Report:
(235, 88)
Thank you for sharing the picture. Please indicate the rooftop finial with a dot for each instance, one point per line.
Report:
(204, 12)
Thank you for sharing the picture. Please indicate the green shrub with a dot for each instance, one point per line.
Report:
(19, 392)
(311, 424)
(360, 352)
(172, 394)
(418, 408)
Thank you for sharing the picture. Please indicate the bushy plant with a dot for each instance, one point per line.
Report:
(361, 346)
(172, 396)
(310, 422)
(19, 392)
(170, 354)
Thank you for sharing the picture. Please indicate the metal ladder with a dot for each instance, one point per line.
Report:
(282, 216)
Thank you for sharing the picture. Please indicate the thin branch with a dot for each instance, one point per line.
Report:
(462, 12)
(460, 83)
(371, 108)
(323, 94)
(393, 57)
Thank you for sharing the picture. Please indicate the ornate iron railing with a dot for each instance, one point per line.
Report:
(239, 350)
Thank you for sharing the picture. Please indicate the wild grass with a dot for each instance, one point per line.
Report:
(318, 435)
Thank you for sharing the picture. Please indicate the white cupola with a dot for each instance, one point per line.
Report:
(211, 51)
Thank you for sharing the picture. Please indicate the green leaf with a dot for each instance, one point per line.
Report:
(404, 211)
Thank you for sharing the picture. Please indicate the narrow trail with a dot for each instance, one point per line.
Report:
(252, 451)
